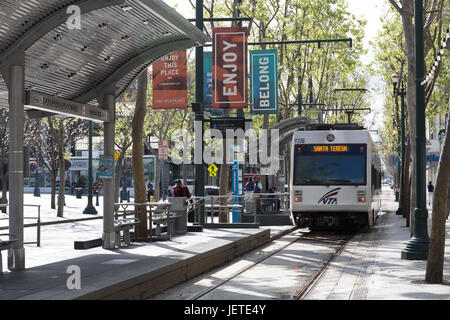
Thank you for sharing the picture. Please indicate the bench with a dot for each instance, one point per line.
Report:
(124, 225)
(6, 244)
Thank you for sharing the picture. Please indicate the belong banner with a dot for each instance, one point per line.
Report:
(230, 83)
(264, 81)
(170, 81)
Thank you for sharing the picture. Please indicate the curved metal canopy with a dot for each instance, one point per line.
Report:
(117, 40)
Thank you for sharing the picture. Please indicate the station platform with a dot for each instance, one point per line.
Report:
(135, 272)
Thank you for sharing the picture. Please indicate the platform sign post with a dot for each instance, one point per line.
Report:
(235, 183)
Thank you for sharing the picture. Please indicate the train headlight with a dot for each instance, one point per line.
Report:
(298, 196)
(361, 196)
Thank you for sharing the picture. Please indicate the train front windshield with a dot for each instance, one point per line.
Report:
(343, 164)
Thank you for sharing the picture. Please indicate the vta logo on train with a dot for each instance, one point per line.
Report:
(328, 197)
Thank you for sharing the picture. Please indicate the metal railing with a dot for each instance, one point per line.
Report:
(38, 221)
(250, 204)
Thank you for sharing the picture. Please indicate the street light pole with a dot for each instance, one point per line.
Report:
(199, 167)
(417, 247)
(90, 209)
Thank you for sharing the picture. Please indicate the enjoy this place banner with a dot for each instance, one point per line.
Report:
(230, 84)
(170, 82)
(263, 81)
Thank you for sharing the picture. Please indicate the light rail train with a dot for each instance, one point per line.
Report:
(335, 177)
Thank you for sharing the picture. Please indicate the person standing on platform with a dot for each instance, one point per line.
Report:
(250, 185)
(180, 190)
(258, 189)
(430, 193)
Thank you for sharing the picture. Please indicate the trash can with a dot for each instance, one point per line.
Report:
(78, 192)
(178, 209)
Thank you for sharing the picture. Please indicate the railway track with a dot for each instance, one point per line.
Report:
(300, 256)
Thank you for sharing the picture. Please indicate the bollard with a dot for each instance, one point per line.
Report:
(178, 210)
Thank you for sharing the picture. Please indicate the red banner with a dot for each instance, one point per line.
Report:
(170, 82)
(230, 84)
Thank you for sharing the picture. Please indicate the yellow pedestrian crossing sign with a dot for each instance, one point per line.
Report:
(116, 155)
(212, 170)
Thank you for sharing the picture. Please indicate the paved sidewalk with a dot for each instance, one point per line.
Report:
(371, 268)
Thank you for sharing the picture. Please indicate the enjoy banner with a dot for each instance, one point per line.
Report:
(230, 83)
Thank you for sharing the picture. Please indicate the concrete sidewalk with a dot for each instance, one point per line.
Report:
(371, 268)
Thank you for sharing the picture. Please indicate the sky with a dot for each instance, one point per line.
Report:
(372, 11)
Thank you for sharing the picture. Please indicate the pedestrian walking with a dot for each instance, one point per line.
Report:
(250, 185)
(430, 193)
(150, 190)
(258, 189)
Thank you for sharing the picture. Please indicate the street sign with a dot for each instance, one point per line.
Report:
(212, 170)
(163, 149)
(223, 124)
(46, 102)
(116, 155)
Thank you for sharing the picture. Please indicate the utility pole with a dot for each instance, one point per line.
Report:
(198, 125)
(417, 247)
(90, 209)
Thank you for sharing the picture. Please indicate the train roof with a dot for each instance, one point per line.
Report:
(335, 126)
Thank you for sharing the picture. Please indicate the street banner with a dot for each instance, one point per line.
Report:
(208, 85)
(170, 81)
(263, 81)
(163, 149)
(230, 84)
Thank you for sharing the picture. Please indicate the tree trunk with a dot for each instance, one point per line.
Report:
(406, 184)
(138, 163)
(118, 179)
(158, 180)
(435, 264)
(61, 176)
(53, 195)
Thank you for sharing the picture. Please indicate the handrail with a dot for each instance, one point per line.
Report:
(38, 224)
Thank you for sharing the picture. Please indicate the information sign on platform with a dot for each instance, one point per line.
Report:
(105, 167)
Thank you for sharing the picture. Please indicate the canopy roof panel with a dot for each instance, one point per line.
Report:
(117, 40)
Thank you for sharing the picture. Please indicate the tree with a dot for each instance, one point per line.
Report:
(435, 264)
(432, 32)
(49, 139)
(137, 163)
